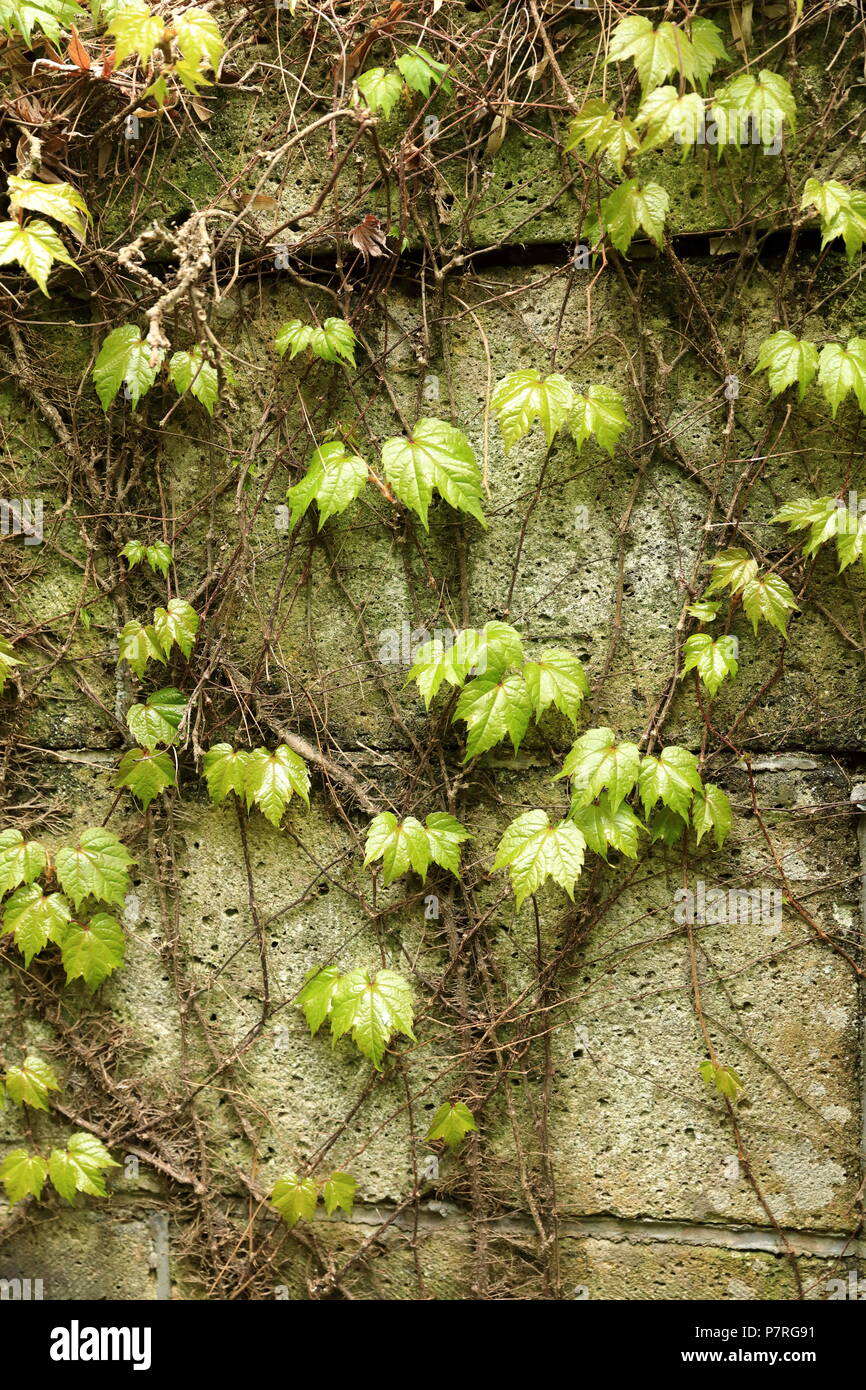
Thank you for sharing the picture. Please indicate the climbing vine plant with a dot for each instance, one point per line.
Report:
(255, 453)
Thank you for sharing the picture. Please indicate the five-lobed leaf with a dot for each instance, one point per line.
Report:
(601, 132)
(176, 625)
(380, 89)
(35, 246)
(596, 762)
(437, 457)
(601, 413)
(714, 661)
(96, 867)
(421, 71)
(271, 779)
(556, 678)
(493, 706)
(158, 719)
(30, 1083)
(604, 827)
(333, 479)
(841, 370)
(671, 778)
(78, 1167)
(145, 774)
(34, 918)
(533, 850)
(138, 644)
(23, 1175)
(635, 206)
(317, 995)
(787, 359)
(338, 1190)
(295, 1199)
(374, 1008)
(124, 359)
(59, 201)
(91, 951)
(21, 861)
(711, 811)
(523, 397)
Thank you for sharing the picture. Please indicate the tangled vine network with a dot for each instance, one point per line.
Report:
(430, 444)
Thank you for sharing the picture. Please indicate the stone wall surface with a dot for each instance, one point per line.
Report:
(604, 1167)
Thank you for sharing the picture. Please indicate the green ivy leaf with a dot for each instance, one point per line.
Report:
(601, 412)
(133, 553)
(667, 826)
(656, 52)
(373, 1008)
(59, 201)
(491, 707)
(714, 661)
(380, 89)
(671, 778)
(333, 479)
(400, 845)
(445, 835)
(631, 206)
(334, 341)
(135, 29)
(669, 116)
(841, 370)
(604, 828)
(158, 719)
(295, 1199)
(711, 811)
(533, 850)
(295, 335)
(25, 16)
(704, 610)
(97, 867)
(8, 662)
(732, 569)
(600, 132)
(706, 48)
(842, 211)
(787, 359)
(21, 861)
(339, 1191)
(176, 625)
(421, 71)
(225, 770)
(23, 1175)
(556, 678)
(770, 598)
(145, 774)
(765, 101)
(35, 246)
(78, 1167)
(124, 359)
(521, 398)
(270, 779)
(317, 995)
(30, 1083)
(451, 1123)
(724, 1079)
(191, 371)
(198, 37)
(439, 458)
(138, 644)
(34, 918)
(91, 951)
(597, 761)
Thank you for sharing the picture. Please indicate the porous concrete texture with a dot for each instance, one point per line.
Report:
(193, 1062)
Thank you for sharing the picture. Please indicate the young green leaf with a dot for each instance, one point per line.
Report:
(669, 116)
(671, 778)
(96, 867)
(8, 661)
(380, 89)
(21, 861)
(34, 918)
(632, 206)
(145, 774)
(35, 246)
(295, 1199)
(604, 828)
(125, 359)
(198, 37)
(158, 719)
(373, 1008)
(138, 644)
(159, 556)
(491, 707)
(176, 625)
(732, 569)
(271, 779)
(445, 836)
(747, 104)
(600, 132)
(339, 1191)
(421, 71)
(601, 412)
(770, 598)
(841, 370)
(451, 1123)
(333, 479)
(317, 995)
(704, 610)
(295, 335)
(597, 761)
(533, 850)
(842, 211)
(78, 1167)
(523, 397)
(225, 770)
(724, 1079)
(24, 17)
(713, 661)
(556, 678)
(667, 826)
(787, 359)
(191, 371)
(59, 201)
(133, 553)
(135, 29)
(334, 341)
(30, 1083)
(706, 48)
(711, 811)
(91, 951)
(23, 1175)
(401, 845)
(657, 52)
(438, 458)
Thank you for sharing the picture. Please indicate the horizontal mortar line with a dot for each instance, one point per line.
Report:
(741, 1236)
